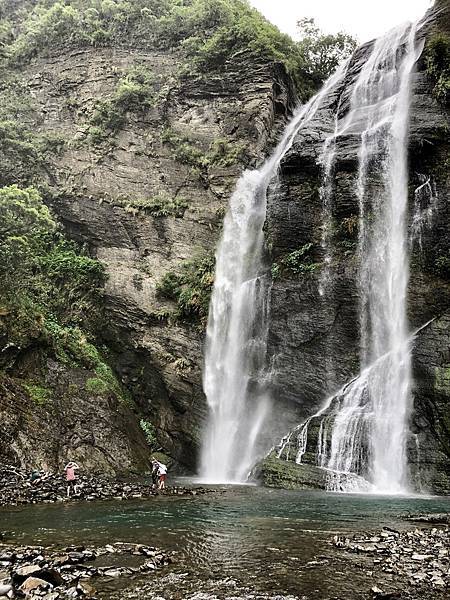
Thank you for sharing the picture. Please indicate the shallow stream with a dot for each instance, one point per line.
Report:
(240, 542)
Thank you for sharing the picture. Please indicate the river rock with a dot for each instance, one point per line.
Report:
(15, 488)
(34, 583)
(27, 571)
(5, 588)
(403, 559)
(69, 572)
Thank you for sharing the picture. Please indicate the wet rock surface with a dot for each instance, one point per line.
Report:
(314, 319)
(16, 488)
(70, 572)
(410, 564)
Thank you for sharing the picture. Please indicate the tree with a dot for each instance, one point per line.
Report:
(322, 53)
(25, 224)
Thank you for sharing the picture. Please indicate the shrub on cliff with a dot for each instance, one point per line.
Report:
(437, 57)
(190, 288)
(44, 276)
(135, 93)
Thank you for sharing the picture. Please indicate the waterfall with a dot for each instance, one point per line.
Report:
(370, 427)
(235, 372)
(363, 428)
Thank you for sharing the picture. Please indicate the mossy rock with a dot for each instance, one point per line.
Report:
(278, 473)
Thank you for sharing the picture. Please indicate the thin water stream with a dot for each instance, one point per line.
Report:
(238, 542)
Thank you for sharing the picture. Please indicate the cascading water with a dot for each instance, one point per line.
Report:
(235, 370)
(371, 428)
(362, 438)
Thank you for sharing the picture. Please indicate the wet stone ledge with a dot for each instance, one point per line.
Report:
(50, 574)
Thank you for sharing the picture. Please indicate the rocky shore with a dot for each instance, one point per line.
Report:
(16, 488)
(50, 574)
(409, 564)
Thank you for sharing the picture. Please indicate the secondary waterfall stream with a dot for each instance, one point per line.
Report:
(363, 441)
(235, 372)
(363, 428)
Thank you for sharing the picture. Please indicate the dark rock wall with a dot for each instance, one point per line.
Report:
(100, 432)
(314, 338)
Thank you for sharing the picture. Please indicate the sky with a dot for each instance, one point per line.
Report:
(364, 19)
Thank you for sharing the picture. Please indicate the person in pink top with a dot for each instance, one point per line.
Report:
(71, 477)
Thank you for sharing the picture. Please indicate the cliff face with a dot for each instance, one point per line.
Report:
(138, 159)
(315, 337)
(147, 198)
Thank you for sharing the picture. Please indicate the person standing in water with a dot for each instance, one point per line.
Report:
(71, 477)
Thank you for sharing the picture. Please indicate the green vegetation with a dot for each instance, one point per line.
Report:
(288, 475)
(71, 347)
(50, 290)
(295, 263)
(442, 379)
(24, 150)
(135, 93)
(150, 434)
(23, 153)
(323, 53)
(346, 232)
(185, 151)
(159, 206)
(206, 33)
(224, 153)
(190, 288)
(39, 395)
(437, 57)
(221, 152)
(442, 266)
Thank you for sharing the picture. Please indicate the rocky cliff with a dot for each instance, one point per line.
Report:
(157, 352)
(314, 331)
(137, 156)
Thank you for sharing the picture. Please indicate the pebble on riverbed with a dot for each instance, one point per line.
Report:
(38, 572)
(16, 489)
(418, 558)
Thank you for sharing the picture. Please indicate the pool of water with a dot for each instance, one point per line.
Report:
(238, 542)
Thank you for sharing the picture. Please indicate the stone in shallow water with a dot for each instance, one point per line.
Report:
(34, 583)
(4, 589)
(86, 588)
(27, 570)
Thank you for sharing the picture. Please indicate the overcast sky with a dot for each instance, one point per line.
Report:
(364, 19)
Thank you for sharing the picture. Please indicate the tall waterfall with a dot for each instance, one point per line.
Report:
(363, 429)
(370, 431)
(235, 371)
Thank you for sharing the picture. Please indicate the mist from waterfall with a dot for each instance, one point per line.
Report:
(235, 372)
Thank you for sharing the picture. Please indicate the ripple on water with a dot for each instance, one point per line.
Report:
(242, 543)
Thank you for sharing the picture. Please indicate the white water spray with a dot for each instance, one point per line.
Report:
(235, 371)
